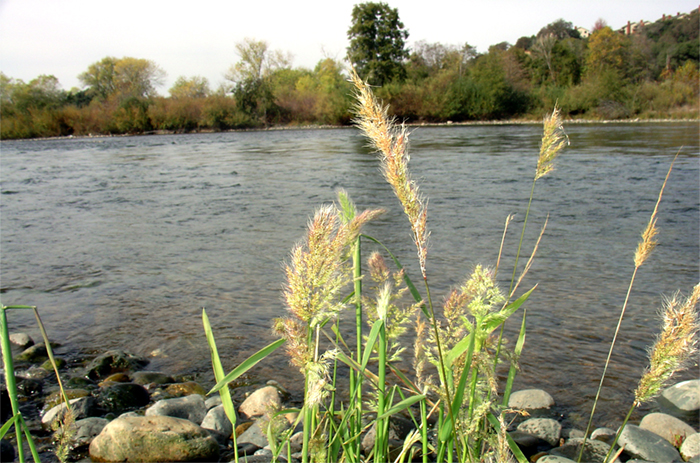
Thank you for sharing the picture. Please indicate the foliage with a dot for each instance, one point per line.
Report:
(124, 78)
(377, 43)
(651, 73)
(194, 87)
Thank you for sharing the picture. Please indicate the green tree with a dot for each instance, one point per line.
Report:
(124, 77)
(250, 77)
(194, 87)
(377, 43)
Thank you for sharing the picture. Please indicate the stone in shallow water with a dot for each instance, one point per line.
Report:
(595, 451)
(530, 399)
(114, 361)
(151, 377)
(22, 340)
(645, 445)
(670, 428)
(544, 428)
(121, 397)
(260, 402)
(682, 399)
(217, 420)
(190, 408)
(184, 389)
(153, 438)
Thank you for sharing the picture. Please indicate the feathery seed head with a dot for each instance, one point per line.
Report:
(674, 347)
(378, 269)
(554, 139)
(392, 144)
(648, 243)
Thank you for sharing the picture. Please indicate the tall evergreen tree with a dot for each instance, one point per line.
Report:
(377, 43)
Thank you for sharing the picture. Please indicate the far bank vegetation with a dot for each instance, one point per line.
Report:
(648, 73)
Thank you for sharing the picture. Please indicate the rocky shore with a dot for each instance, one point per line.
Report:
(123, 412)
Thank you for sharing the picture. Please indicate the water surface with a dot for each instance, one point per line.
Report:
(122, 241)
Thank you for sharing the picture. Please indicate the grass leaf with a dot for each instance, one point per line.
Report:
(247, 364)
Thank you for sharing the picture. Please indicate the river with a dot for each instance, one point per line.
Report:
(121, 241)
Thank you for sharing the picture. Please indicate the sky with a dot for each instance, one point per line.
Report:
(186, 38)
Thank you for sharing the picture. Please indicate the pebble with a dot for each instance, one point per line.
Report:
(682, 399)
(669, 427)
(531, 400)
(645, 445)
(152, 439)
(691, 447)
(217, 420)
(22, 340)
(186, 388)
(539, 436)
(190, 408)
(546, 429)
(260, 402)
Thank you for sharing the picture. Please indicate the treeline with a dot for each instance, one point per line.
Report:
(652, 73)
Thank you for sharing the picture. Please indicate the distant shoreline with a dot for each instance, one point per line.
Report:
(412, 124)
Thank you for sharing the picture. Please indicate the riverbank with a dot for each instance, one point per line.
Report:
(410, 125)
(122, 411)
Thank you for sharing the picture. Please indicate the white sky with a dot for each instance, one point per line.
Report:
(188, 38)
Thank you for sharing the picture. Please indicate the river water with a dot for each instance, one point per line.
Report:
(121, 241)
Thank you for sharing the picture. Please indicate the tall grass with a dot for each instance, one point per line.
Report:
(453, 397)
(17, 419)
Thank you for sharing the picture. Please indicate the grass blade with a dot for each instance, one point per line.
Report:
(247, 364)
(224, 393)
(404, 404)
(513, 368)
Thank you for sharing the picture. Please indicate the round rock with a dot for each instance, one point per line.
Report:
(645, 445)
(153, 438)
(530, 399)
(691, 447)
(190, 408)
(669, 427)
(545, 428)
(260, 402)
(595, 451)
(120, 397)
(217, 420)
(21, 339)
(682, 399)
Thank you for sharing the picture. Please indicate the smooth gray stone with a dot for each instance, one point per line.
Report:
(87, 429)
(530, 399)
(554, 459)
(669, 427)
(153, 439)
(645, 445)
(253, 435)
(217, 420)
(547, 429)
(691, 447)
(595, 450)
(682, 399)
(190, 408)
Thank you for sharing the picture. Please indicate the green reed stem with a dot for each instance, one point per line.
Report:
(607, 363)
(8, 364)
(356, 377)
(617, 434)
(443, 371)
(380, 444)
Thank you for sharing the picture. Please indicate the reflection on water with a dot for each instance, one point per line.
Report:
(122, 241)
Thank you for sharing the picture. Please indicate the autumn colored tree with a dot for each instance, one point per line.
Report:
(123, 77)
(607, 51)
(194, 87)
(377, 43)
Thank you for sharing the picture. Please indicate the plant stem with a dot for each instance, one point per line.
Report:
(356, 377)
(443, 372)
(10, 378)
(607, 363)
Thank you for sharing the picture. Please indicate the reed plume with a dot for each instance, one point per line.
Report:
(392, 144)
(554, 138)
(674, 348)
